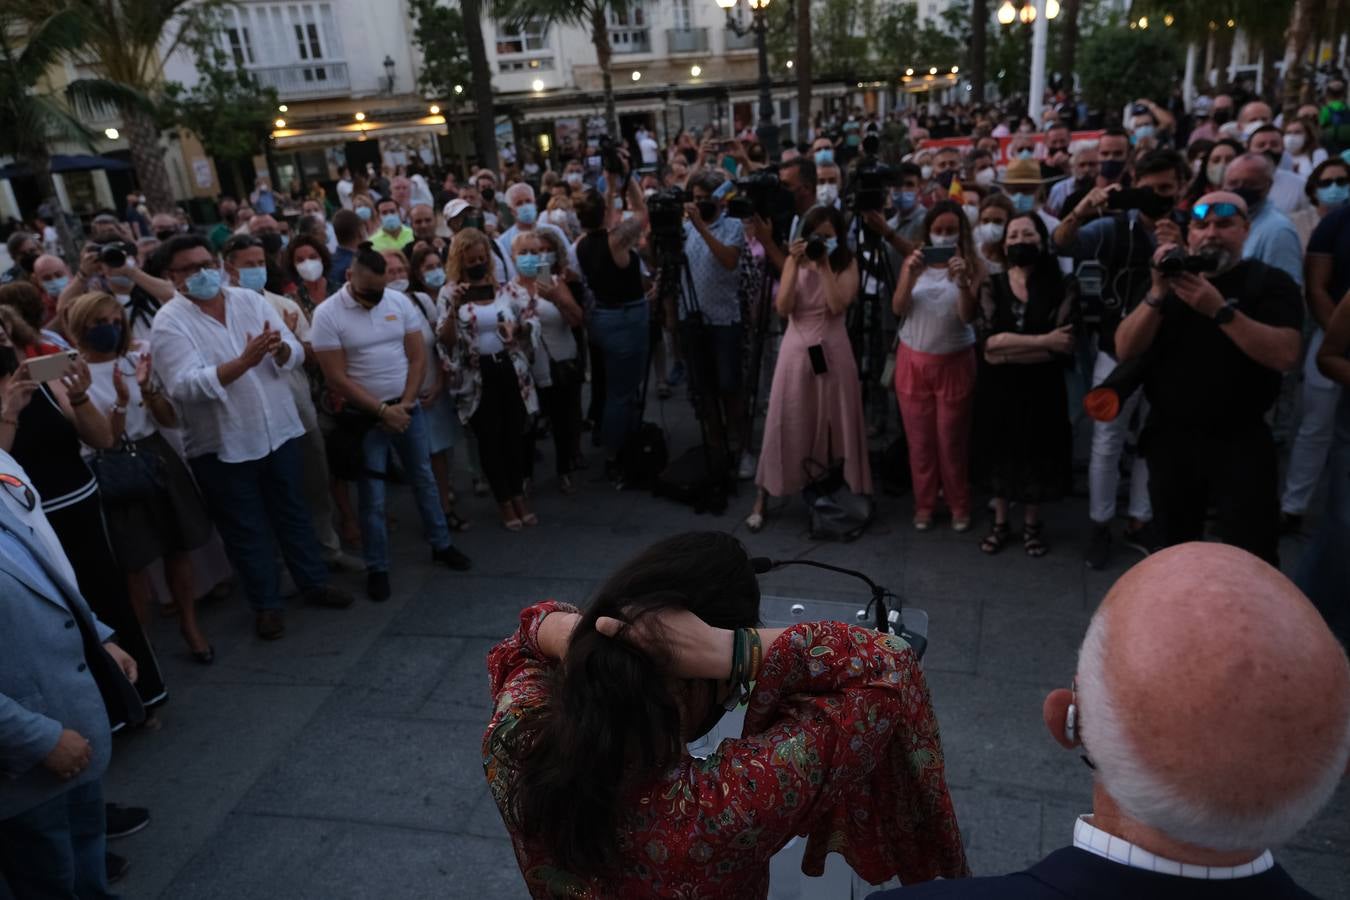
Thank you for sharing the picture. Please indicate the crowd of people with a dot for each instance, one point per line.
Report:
(1171, 282)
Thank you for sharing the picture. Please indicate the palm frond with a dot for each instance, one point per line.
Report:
(48, 41)
(101, 90)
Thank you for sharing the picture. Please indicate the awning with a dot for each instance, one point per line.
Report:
(581, 111)
(62, 163)
(288, 139)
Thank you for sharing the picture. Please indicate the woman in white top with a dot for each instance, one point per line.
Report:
(171, 522)
(1301, 143)
(486, 341)
(937, 299)
(557, 372)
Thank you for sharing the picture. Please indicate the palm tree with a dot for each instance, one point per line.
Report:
(485, 122)
(593, 14)
(1068, 47)
(1297, 40)
(802, 62)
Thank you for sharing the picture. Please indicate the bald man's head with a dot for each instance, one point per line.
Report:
(1214, 701)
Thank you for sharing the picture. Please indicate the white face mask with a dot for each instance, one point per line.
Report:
(972, 213)
(1293, 143)
(310, 269)
(985, 176)
(398, 284)
(988, 232)
(826, 194)
(926, 171)
(943, 240)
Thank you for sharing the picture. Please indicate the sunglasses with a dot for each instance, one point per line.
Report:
(1222, 210)
(1343, 181)
(21, 492)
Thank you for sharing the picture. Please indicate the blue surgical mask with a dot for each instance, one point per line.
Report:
(203, 286)
(54, 286)
(831, 244)
(1026, 153)
(904, 200)
(104, 337)
(1334, 195)
(527, 213)
(364, 213)
(528, 264)
(120, 284)
(1143, 131)
(1023, 203)
(253, 278)
(824, 156)
(433, 278)
(391, 222)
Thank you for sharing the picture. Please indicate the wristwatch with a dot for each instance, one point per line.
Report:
(1224, 314)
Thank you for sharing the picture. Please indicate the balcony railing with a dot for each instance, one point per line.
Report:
(96, 114)
(301, 80)
(739, 42)
(686, 40)
(630, 40)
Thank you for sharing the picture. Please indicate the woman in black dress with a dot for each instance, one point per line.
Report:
(1027, 317)
(42, 426)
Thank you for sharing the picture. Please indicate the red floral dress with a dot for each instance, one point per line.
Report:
(840, 745)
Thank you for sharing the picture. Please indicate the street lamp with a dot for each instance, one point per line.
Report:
(1037, 14)
(766, 129)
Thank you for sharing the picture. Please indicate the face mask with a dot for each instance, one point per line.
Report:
(310, 269)
(9, 361)
(253, 278)
(104, 337)
(27, 262)
(1023, 203)
(203, 285)
(1222, 115)
(1214, 173)
(985, 177)
(1023, 255)
(572, 178)
(165, 233)
(1141, 132)
(1293, 143)
(1334, 195)
(1111, 169)
(943, 240)
(120, 284)
(904, 200)
(433, 278)
(826, 194)
(1275, 157)
(54, 286)
(831, 244)
(824, 157)
(1250, 128)
(1025, 153)
(527, 213)
(972, 213)
(398, 284)
(988, 232)
(391, 222)
(1156, 206)
(707, 210)
(471, 222)
(926, 172)
(368, 299)
(1251, 196)
(476, 273)
(946, 178)
(527, 264)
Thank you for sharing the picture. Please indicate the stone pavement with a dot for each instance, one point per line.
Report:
(344, 761)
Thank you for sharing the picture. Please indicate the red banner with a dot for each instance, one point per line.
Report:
(964, 144)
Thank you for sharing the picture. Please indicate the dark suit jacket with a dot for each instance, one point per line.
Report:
(1070, 874)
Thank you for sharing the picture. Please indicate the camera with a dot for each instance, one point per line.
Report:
(665, 214)
(1177, 262)
(869, 185)
(609, 156)
(816, 248)
(114, 254)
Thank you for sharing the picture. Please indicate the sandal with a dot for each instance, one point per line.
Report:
(529, 519)
(755, 522)
(513, 525)
(1031, 539)
(993, 541)
(455, 522)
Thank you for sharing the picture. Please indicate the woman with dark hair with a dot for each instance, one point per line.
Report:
(586, 752)
(937, 299)
(1212, 170)
(309, 266)
(1027, 318)
(815, 401)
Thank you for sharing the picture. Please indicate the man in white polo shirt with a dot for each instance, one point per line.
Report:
(368, 341)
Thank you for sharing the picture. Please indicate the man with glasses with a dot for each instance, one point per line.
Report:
(229, 376)
(1216, 344)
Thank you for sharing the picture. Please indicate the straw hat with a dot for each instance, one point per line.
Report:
(1023, 172)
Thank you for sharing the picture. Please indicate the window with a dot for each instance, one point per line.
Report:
(521, 37)
(632, 17)
(241, 47)
(281, 34)
(684, 19)
(542, 64)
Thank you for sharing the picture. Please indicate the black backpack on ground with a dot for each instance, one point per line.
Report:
(687, 480)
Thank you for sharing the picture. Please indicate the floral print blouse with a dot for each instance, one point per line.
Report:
(464, 378)
(840, 745)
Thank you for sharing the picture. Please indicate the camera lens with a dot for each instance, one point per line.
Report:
(112, 256)
(815, 248)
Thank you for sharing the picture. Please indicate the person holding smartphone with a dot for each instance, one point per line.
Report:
(487, 337)
(936, 298)
(815, 402)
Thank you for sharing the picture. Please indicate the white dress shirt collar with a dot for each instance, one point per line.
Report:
(1088, 837)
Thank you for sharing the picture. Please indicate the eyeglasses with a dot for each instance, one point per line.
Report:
(1222, 210)
(1343, 181)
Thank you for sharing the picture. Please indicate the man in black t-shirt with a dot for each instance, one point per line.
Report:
(1215, 346)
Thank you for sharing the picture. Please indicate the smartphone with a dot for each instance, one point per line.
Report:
(1129, 198)
(817, 354)
(52, 366)
(936, 256)
(479, 292)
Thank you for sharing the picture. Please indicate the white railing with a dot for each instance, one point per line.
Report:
(320, 78)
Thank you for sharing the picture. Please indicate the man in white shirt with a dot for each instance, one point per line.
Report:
(368, 340)
(647, 146)
(345, 187)
(225, 357)
(520, 197)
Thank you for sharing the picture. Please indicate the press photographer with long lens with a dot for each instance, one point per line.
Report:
(1111, 257)
(586, 752)
(1218, 330)
(798, 178)
(111, 268)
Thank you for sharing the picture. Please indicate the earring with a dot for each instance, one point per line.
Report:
(1071, 723)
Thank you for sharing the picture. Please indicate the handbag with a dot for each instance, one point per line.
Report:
(837, 514)
(127, 474)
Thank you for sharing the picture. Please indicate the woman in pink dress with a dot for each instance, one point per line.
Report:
(815, 403)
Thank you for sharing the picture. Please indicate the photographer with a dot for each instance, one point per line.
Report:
(1216, 343)
(111, 268)
(1111, 255)
(798, 178)
(711, 331)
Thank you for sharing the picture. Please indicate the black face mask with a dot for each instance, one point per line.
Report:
(1023, 255)
(9, 361)
(1156, 206)
(1222, 115)
(1111, 169)
(707, 210)
(271, 242)
(27, 262)
(945, 178)
(477, 272)
(370, 299)
(1251, 196)
(165, 233)
(1274, 157)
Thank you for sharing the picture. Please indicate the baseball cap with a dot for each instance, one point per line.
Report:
(454, 208)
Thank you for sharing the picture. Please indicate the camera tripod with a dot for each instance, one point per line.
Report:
(866, 321)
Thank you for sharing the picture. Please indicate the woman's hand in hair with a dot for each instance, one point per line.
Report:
(688, 646)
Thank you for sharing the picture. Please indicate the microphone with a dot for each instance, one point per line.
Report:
(891, 622)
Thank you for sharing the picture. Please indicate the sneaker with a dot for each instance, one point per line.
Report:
(342, 561)
(116, 867)
(749, 465)
(1144, 539)
(328, 596)
(270, 624)
(1099, 548)
(452, 558)
(377, 586)
(123, 821)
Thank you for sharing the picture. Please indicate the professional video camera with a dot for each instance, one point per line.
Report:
(114, 254)
(665, 213)
(609, 156)
(1177, 262)
(869, 185)
(761, 194)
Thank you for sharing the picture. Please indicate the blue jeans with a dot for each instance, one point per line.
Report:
(55, 850)
(1324, 570)
(413, 450)
(622, 335)
(251, 501)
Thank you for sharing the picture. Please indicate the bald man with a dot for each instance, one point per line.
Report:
(1213, 706)
(1216, 344)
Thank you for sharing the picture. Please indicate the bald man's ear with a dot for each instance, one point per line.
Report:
(1055, 712)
